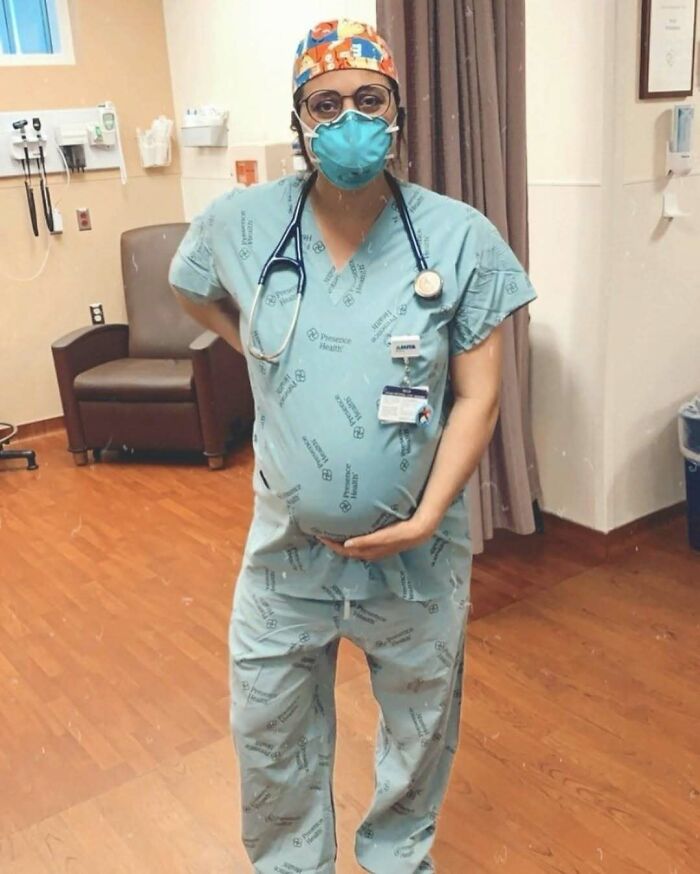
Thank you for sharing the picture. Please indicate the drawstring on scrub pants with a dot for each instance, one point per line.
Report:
(346, 610)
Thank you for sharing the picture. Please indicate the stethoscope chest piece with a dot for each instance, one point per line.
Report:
(428, 284)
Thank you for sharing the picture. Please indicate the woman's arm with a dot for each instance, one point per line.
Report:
(220, 316)
(476, 382)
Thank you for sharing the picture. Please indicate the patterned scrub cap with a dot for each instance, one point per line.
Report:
(342, 44)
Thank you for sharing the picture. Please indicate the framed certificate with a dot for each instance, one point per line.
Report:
(667, 58)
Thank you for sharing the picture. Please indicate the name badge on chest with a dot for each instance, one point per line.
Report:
(405, 346)
(405, 404)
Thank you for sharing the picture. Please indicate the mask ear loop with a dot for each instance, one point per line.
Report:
(308, 131)
(393, 128)
(309, 134)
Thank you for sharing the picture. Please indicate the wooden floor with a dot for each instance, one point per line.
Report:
(580, 738)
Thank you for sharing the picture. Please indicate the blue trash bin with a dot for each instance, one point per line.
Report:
(689, 439)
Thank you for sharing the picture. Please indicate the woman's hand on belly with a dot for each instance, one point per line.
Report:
(386, 541)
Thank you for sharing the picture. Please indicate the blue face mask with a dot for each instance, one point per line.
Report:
(351, 150)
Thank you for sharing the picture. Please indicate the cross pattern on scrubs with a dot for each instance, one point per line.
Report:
(325, 464)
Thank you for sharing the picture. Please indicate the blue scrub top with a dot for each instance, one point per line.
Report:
(325, 464)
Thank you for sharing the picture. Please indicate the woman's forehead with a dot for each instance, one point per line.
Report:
(344, 80)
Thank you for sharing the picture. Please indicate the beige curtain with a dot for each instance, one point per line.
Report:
(462, 69)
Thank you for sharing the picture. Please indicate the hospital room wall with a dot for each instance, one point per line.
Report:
(121, 56)
(567, 71)
(611, 331)
(653, 324)
(614, 331)
(239, 57)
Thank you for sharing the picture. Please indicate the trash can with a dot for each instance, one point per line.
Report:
(689, 439)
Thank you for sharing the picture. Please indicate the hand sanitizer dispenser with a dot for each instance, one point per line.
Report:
(679, 157)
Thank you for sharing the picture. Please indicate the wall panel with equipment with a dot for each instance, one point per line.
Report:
(88, 137)
(36, 143)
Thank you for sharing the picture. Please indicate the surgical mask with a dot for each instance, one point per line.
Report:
(352, 149)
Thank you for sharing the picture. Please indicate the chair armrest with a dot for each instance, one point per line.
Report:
(222, 386)
(79, 351)
(89, 346)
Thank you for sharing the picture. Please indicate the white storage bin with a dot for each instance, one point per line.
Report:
(205, 126)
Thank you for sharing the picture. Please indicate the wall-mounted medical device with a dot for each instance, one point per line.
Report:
(35, 143)
(88, 138)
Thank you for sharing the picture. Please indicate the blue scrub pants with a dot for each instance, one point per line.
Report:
(283, 653)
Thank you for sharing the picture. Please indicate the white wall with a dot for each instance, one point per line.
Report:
(614, 329)
(567, 69)
(239, 55)
(653, 341)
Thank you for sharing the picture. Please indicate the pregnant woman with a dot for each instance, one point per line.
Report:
(368, 310)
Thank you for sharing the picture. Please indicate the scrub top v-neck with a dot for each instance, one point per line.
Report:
(336, 280)
(324, 463)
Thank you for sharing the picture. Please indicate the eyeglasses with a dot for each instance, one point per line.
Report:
(327, 105)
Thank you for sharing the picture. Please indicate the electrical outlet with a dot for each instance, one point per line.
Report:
(84, 223)
(97, 314)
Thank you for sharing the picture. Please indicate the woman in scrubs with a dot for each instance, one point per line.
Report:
(360, 525)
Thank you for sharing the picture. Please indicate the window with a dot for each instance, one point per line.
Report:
(35, 32)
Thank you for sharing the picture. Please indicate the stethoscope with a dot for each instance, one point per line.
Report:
(427, 284)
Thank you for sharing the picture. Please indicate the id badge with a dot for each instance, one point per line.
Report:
(404, 404)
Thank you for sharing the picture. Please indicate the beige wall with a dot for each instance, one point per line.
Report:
(121, 56)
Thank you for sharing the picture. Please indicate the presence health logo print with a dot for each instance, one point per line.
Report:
(287, 385)
(329, 342)
(246, 235)
(350, 489)
(352, 413)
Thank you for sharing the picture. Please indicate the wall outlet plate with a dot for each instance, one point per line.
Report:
(83, 215)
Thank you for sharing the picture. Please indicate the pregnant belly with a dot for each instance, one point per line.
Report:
(344, 490)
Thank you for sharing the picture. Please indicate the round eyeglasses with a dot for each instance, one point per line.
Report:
(327, 105)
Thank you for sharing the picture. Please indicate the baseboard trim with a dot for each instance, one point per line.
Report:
(604, 546)
(44, 426)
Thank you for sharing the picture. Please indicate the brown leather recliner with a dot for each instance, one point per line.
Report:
(157, 382)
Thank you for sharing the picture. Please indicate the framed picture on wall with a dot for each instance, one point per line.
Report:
(667, 58)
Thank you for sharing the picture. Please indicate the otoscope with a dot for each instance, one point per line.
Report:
(26, 166)
(41, 166)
